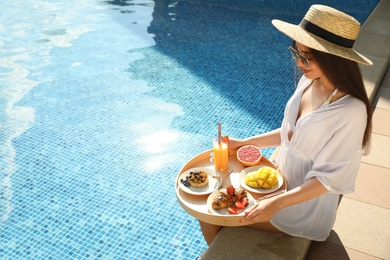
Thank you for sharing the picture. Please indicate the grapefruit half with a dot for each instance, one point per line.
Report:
(249, 155)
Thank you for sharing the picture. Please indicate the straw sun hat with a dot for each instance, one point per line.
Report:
(328, 30)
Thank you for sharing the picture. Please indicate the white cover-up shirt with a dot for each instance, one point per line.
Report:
(326, 144)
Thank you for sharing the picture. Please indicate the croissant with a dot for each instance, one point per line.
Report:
(223, 198)
(265, 178)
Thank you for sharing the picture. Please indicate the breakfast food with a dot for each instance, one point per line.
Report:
(249, 155)
(198, 179)
(227, 197)
(265, 177)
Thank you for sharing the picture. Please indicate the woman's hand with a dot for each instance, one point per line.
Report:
(235, 143)
(262, 211)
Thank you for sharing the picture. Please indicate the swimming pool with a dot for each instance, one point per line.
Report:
(102, 103)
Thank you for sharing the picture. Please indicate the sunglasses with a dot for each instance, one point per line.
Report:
(296, 55)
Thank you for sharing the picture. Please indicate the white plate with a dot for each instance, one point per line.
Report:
(243, 174)
(225, 211)
(209, 188)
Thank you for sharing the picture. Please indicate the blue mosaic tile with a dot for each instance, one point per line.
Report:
(103, 102)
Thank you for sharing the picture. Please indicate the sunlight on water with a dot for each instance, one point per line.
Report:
(23, 56)
(14, 121)
(157, 141)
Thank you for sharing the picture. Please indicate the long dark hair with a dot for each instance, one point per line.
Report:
(346, 75)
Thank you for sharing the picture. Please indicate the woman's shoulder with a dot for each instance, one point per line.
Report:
(351, 103)
(349, 110)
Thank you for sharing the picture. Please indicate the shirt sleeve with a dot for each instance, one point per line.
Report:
(337, 165)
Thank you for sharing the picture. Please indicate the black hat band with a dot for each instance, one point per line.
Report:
(326, 35)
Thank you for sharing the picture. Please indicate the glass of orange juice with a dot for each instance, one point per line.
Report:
(220, 155)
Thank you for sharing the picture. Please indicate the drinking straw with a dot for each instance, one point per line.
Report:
(219, 133)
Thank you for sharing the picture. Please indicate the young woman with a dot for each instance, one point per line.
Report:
(325, 129)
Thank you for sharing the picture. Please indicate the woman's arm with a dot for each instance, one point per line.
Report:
(265, 209)
(269, 139)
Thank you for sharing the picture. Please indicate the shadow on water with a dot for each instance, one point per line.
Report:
(213, 54)
(118, 2)
(216, 56)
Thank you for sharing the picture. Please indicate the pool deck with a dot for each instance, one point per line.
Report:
(362, 228)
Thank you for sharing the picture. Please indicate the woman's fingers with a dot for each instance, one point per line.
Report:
(249, 213)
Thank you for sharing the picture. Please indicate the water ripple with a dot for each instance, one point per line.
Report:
(25, 51)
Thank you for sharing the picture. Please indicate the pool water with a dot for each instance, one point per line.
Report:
(103, 102)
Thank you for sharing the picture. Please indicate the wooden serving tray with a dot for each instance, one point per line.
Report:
(196, 205)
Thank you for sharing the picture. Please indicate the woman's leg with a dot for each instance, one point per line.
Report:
(209, 231)
(265, 226)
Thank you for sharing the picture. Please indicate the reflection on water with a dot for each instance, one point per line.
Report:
(25, 52)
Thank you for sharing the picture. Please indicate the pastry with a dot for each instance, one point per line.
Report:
(228, 196)
(198, 179)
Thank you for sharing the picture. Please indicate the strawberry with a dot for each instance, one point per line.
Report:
(232, 210)
(244, 201)
(225, 139)
(231, 190)
(239, 205)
